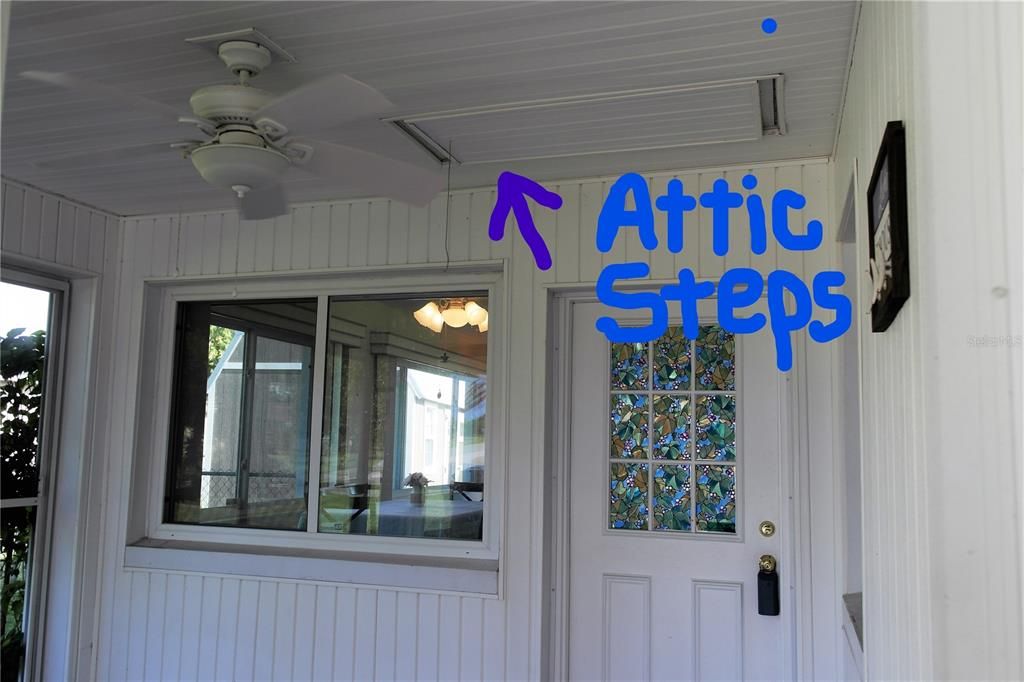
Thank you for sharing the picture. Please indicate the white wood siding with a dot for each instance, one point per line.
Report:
(63, 239)
(165, 625)
(941, 417)
(38, 226)
(894, 449)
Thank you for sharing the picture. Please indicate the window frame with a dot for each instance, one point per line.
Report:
(150, 456)
(37, 589)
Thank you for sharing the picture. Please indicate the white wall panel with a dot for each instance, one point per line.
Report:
(219, 627)
(880, 88)
(51, 229)
(942, 588)
(63, 239)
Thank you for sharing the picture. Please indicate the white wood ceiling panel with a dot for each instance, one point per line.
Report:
(425, 56)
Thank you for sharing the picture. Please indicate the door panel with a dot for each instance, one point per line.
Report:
(674, 462)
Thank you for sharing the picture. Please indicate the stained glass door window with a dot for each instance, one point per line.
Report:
(673, 461)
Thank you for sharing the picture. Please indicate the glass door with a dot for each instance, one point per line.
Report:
(29, 313)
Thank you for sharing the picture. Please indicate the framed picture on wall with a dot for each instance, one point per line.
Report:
(887, 229)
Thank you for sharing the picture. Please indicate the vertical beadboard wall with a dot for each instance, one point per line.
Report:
(54, 230)
(165, 625)
(898, 624)
(941, 416)
(55, 236)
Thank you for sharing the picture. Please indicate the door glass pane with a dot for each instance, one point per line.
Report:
(668, 416)
(716, 498)
(715, 359)
(671, 426)
(628, 498)
(404, 411)
(24, 323)
(715, 427)
(629, 366)
(672, 497)
(629, 425)
(672, 361)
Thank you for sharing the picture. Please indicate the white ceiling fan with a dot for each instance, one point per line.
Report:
(250, 140)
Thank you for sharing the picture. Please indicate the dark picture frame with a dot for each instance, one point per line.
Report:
(887, 228)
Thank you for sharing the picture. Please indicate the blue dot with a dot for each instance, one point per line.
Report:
(769, 25)
(749, 181)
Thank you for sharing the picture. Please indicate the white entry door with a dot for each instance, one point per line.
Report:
(675, 463)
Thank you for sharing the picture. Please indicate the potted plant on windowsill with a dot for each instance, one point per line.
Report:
(418, 482)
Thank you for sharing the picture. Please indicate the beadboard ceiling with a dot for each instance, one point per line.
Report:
(425, 57)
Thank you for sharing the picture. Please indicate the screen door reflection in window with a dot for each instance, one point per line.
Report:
(403, 431)
(240, 435)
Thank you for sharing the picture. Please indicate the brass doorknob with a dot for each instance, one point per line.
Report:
(766, 563)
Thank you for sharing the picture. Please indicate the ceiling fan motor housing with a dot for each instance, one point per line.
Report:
(229, 103)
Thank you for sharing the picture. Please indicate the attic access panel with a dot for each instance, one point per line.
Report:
(737, 110)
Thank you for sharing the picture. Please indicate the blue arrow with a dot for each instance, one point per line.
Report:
(511, 196)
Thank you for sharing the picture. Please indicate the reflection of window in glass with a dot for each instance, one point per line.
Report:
(240, 435)
(431, 397)
(401, 400)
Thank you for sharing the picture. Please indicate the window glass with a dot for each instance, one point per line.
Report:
(403, 424)
(240, 434)
(25, 344)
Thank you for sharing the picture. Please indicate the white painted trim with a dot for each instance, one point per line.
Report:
(846, 82)
(323, 314)
(479, 581)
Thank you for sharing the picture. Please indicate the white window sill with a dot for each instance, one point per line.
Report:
(473, 576)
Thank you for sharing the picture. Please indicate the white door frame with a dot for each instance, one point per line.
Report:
(796, 606)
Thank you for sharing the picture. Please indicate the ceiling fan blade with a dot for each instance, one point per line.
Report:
(325, 103)
(376, 174)
(106, 156)
(262, 203)
(102, 91)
